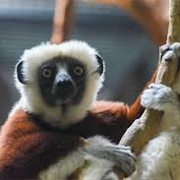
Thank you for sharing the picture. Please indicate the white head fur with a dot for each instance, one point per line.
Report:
(31, 100)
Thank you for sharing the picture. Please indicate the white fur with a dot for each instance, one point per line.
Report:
(160, 160)
(161, 157)
(95, 169)
(64, 167)
(31, 99)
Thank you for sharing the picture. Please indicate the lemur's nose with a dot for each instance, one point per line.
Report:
(64, 83)
(64, 87)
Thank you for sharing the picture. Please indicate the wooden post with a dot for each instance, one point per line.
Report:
(146, 127)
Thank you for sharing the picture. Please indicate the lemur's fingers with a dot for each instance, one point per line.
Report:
(159, 97)
(125, 160)
(169, 52)
(122, 157)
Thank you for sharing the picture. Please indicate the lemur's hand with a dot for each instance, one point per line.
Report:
(168, 52)
(158, 96)
(122, 157)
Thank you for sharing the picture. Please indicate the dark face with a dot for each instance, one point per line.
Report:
(62, 81)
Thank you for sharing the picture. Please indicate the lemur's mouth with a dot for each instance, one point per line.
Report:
(63, 102)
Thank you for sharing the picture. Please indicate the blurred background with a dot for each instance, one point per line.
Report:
(127, 47)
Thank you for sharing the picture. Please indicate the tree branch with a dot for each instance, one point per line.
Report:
(146, 127)
(63, 20)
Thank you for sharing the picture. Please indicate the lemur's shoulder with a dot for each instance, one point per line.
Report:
(27, 148)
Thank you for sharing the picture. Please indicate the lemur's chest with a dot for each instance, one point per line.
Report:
(77, 166)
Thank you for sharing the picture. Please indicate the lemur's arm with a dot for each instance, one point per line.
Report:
(26, 149)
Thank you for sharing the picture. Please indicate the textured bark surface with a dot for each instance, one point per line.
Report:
(146, 127)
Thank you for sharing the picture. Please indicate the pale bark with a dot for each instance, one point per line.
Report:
(146, 127)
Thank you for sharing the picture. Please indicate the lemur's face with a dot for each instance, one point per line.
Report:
(62, 80)
(59, 81)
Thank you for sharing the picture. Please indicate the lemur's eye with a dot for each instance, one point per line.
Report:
(46, 72)
(78, 71)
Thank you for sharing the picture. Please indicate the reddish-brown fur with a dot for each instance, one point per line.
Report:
(28, 145)
(26, 148)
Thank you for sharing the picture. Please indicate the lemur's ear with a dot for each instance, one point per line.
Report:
(19, 71)
(101, 64)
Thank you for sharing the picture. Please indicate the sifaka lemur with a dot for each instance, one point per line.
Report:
(57, 130)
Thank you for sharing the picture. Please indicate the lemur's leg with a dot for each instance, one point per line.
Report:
(159, 158)
(159, 96)
(122, 157)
